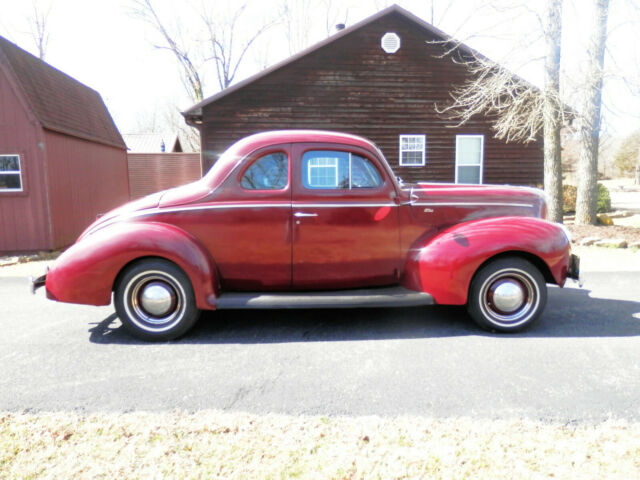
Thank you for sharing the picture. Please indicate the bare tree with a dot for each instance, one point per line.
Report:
(297, 19)
(516, 106)
(39, 26)
(521, 112)
(172, 41)
(586, 202)
(223, 39)
(552, 110)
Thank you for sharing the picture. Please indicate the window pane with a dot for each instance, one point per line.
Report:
(411, 158)
(468, 174)
(363, 173)
(469, 150)
(10, 181)
(9, 163)
(412, 142)
(268, 173)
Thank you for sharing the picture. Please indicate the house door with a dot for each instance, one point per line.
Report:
(345, 222)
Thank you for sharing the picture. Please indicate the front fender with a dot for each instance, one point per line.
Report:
(445, 264)
(86, 272)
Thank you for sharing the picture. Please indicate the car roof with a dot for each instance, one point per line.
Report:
(228, 161)
(264, 139)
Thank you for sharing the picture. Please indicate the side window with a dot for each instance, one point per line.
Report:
(329, 169)
(267, 173)
(10, 173)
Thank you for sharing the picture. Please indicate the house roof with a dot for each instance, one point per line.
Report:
(196, 110)
(60, 102)
(152, 142)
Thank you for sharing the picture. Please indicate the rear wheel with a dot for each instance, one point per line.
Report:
(155, 301)
(507, 295)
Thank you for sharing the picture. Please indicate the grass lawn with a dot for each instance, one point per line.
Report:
(212, 444)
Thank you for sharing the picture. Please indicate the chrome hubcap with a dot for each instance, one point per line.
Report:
(157, 299)
(507, 295)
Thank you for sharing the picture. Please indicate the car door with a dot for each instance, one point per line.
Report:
(345, 220)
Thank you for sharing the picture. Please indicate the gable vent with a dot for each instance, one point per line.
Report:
(390, 42)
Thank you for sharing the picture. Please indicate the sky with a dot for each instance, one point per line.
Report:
(101, 44)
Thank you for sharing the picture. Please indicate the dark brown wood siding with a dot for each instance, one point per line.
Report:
(24, 224)
(352, 85)
(85, 179)
(152, 172)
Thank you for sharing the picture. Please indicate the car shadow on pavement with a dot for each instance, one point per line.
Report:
(569, 313)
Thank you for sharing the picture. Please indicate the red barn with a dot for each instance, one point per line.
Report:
(62, 159)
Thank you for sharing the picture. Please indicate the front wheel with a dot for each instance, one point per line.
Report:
(155, 301)
(507, 295)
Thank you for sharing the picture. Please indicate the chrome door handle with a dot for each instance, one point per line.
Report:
(302, 214)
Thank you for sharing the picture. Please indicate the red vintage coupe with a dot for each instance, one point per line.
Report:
(310, 219)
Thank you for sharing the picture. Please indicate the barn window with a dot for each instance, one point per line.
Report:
(469, 158)
(413, 150)
(10, 173)
(336, 169)
(268, 173)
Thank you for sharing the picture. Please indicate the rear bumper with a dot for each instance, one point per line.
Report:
(574, 267)
(36, 282)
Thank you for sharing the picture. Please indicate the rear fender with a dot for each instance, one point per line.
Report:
(87, 271)
(444, 265)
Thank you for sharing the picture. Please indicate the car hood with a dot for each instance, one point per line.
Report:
(446, 204)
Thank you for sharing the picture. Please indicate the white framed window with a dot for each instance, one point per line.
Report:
(413, 150)
(10, 173)
(469, 158)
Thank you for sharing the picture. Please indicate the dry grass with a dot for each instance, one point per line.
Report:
(222, 445)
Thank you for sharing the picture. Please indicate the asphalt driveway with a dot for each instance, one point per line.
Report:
(581, 362)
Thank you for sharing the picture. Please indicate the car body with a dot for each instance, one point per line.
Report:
(312, 219)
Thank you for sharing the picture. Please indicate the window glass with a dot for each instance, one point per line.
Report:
(268, 173)
(469, 150)
(468, 174)
(469, 157)
(10, 173)
(412, 150)
(330, 169)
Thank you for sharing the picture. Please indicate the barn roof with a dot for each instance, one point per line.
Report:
(152, 142)
(59, 102)
(196, 110)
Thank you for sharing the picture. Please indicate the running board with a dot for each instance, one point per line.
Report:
(365, 298)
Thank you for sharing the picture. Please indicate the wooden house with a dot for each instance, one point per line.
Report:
(381, 78)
